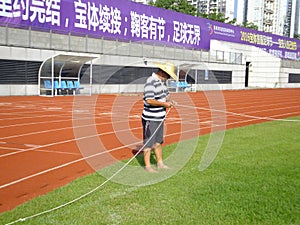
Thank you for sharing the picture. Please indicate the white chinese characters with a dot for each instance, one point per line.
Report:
(147, 27)
(43, 11)
(100, 17)
(186, 33)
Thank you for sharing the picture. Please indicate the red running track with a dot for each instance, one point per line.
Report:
(46, 143)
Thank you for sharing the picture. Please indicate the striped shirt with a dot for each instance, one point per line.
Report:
(154, 89)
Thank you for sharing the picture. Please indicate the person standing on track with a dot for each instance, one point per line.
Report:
(156, 100)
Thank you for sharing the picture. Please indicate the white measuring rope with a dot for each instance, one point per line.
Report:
(93, 190)
(240, 114)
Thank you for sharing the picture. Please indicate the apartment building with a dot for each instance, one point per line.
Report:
(275, 16)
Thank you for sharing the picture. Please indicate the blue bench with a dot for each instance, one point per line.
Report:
(47, 84)
(180, 85)
(58, 87)
(48, 87)
(63, 86)
(75, 87)
(183, 84)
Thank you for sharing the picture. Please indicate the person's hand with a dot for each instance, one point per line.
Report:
(169, 104)
(174, 103)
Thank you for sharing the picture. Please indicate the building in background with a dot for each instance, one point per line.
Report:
(207, 6)
(297, 18)
(275, 16)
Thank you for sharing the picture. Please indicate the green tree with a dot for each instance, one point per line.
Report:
(182, 6)
(217, 16)
(214, 15)
(248, 25)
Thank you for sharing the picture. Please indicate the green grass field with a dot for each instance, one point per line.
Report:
(255, 179)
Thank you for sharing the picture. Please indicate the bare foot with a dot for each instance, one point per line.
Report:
(162, 166)
(150, 170)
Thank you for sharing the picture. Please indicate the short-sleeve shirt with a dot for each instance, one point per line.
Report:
(154, 89)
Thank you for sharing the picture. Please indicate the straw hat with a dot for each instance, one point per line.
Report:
(169, 68)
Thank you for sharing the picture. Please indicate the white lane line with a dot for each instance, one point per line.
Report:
(64, 128)
(5, 103)
(66, 141)
(39, 150)
(52, 108)
(64, 165)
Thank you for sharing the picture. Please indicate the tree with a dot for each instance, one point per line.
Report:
(220, 17)
(248, 25)
(214, 15)
(182, 6)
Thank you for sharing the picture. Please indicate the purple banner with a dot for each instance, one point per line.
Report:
(105, 18)
(280, 46)
(130, 21)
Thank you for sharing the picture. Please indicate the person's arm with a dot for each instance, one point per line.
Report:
(154, 102)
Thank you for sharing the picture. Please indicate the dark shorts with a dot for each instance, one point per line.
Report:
(153, 132)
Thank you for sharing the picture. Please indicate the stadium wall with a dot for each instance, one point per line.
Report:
(32, 47)
(23, 51)
(265, 70)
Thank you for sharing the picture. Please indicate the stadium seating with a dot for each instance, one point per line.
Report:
(63, 87)
(179, 85)
(77, 85)
(47, 84)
